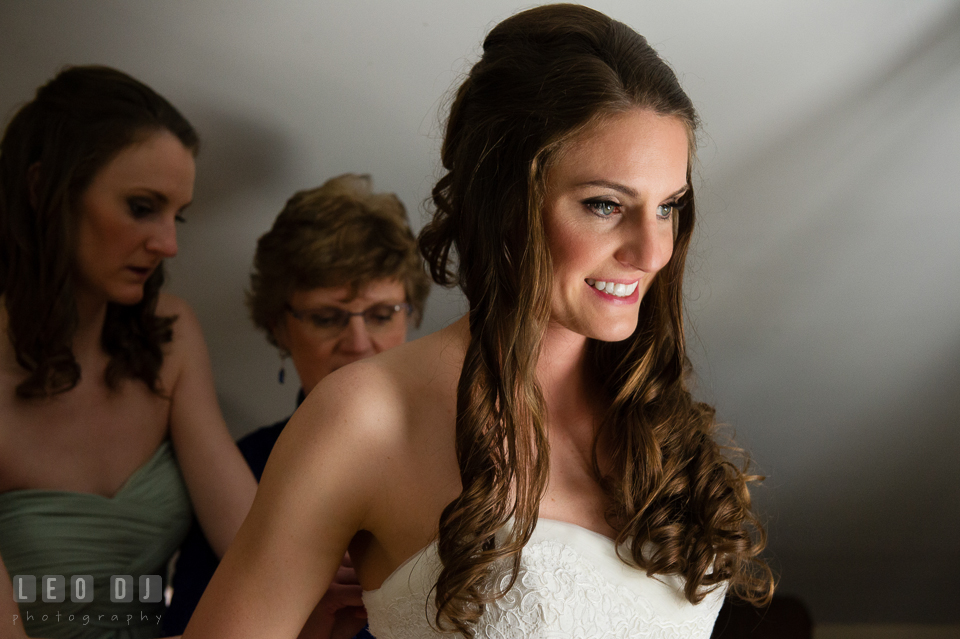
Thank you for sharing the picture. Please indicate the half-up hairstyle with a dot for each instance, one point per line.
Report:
(680, 507)
(50, 153)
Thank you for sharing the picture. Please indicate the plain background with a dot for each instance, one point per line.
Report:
(823, 282)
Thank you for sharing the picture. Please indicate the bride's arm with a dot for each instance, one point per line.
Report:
(316, 492)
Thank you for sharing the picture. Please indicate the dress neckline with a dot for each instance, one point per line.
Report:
(131, 480)
(571, 527)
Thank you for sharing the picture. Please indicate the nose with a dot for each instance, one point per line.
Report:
(355, 338)
(647, 244)
(163, 240)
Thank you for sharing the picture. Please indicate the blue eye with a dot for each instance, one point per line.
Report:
(668, 210)
(602, 208)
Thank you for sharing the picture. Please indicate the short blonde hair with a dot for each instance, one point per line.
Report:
(339, 234)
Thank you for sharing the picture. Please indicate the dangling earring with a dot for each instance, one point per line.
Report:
(282, 375)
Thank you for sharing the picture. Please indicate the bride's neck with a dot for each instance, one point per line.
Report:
(568, 388)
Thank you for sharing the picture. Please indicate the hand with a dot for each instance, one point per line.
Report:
(340, 613)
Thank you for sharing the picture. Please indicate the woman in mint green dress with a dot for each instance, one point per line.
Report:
(109, 425)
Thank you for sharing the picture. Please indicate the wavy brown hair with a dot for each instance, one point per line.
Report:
(546, 76)
(50, 153)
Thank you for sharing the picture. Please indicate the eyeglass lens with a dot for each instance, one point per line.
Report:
(335, 319)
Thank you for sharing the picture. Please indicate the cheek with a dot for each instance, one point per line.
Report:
(310, 356)
(386, 342)
(92, 256)
(302, 344)
(312, 348)
(668, 246)
(101, 239)
(567, 248)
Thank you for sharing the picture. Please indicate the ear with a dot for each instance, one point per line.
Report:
(33, 185)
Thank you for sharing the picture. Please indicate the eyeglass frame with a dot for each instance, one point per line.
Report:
(308, 316)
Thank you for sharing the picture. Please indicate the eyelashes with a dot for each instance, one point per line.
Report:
(667, 211)
(607, 208)
(602, 208)
(140, 208)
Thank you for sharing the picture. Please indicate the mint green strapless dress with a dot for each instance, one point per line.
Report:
(52, 532)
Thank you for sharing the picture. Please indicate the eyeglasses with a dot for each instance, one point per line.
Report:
(330, 320)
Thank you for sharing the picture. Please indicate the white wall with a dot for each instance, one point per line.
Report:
(823, 285)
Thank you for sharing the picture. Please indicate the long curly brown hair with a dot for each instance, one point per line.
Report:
(678, 504)
(50, 153)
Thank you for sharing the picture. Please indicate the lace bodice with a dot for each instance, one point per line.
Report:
(571, 584)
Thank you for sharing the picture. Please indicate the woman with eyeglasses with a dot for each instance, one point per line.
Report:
(337, 279)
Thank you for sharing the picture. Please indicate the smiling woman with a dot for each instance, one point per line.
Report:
(109, 425)
(609, 218)
(538, 468)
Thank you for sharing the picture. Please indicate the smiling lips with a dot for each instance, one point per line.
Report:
(615, 289)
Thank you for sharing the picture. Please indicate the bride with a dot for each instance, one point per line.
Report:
(538, 467)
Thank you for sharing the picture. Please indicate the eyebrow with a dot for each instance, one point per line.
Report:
(626, 190)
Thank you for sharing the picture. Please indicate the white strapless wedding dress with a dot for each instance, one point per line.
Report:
(571, 584)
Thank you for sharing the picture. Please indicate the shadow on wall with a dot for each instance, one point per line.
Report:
(831, 323)
(874, 530)
(238, 156)
(239, 159)
(242, 162)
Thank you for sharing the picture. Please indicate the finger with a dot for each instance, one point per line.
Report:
(340, 596)
(345, 576)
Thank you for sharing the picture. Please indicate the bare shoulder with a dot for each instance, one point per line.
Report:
(393, 393)
(187, 334)
(186, 322)
(332, 458)
(360, 411)
(393, 412)
(187, 348)
(363, 398)
(429, 368)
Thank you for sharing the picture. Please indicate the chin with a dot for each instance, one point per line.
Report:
(608, 332)
(127, 298)
(615, 335)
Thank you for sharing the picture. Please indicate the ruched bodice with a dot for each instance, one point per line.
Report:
(52, 532)
(571, 584)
